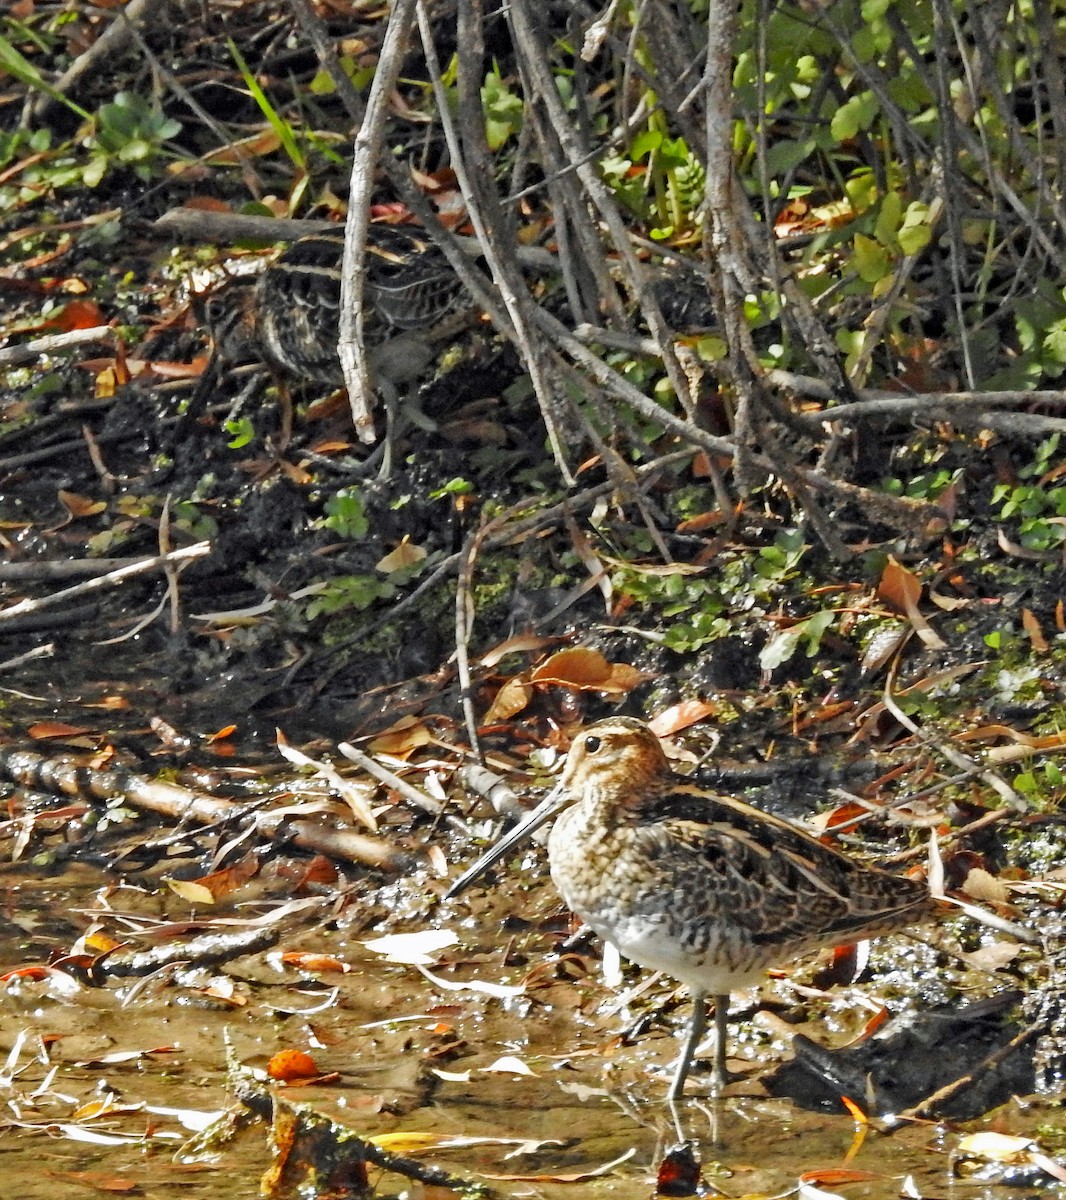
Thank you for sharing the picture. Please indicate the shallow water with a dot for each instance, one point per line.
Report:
(412, 1057)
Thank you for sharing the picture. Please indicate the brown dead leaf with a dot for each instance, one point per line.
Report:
(883, 645)
(221, 883)
(522, 643)
(194, 893)
(258, 145)
(992, 957)
(979, 884)
(92, 1109)
(56, 729)
(111, 703)
(80, 506)
(899, 587)
(702, 521)
(844, 818)
(585, 670)
(903, 589)
(1034, 632)
(510, 700)
(224, 989)
(1019, 551)
(320, 869)
(207, 204)
(405, 555)
(948, 603)
(575, 667)
(164, 369)
(295, 474)
(835, 1176)
(402, 738)
(681, 716)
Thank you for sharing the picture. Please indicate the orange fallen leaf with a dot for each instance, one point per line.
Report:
(77, 314)
(56, 729)
(288, 1065)
(97, 1179)
(835, 1176)
(306, 961)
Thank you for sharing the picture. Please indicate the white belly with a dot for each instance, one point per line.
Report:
(646, 941)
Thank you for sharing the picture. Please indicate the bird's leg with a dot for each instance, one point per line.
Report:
(392, 406)
(696, 1026)
(721, 1029)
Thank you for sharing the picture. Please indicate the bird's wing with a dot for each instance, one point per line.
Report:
(772, 879)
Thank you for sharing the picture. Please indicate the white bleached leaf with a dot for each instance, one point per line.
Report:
(509, 1065)
(500, 990)
(413, 948)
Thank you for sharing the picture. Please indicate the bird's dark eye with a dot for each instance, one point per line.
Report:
(593, 743)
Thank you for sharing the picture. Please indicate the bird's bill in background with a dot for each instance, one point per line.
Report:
(555, 800)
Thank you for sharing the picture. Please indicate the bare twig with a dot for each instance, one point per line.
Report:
(13, 356)
(107, 580)
(352, 348)
(955, 757)
(104, 52)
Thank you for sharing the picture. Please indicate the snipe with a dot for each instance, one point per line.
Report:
(698, 885)
(409, 285)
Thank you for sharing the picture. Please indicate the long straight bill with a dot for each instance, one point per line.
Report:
(555, 800)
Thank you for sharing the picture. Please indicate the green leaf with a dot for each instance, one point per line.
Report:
(645, 143)
(95, 170)
(854, 114)
(17, 65)
(913, 238)
(1055, 341)
(454, 487)
(871, 259)
(504, 111)
(874, 10)
(322, 84)
(242, 430)
(346, 515)
(781, 647)
(915, 232)
(889, 219)
(286, 133)
(349, 591)
(814, 627)
(786, 155)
